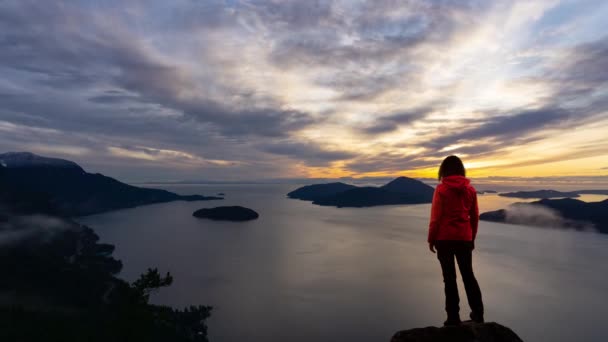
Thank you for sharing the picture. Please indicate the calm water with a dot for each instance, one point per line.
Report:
(307, 273)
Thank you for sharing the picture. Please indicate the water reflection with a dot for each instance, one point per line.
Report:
(308, 273)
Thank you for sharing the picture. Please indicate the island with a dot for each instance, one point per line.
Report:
(465, 332)
(540, 194)
(74, 192)
(227, 213)
(402, 190)
(572, 213)
(317, 191)
(592, 192)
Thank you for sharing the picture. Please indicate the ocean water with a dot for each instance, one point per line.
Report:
(307, 273)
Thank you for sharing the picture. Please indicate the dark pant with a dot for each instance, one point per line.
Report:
(462, 250)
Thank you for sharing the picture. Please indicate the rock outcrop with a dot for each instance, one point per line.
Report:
(466, 332)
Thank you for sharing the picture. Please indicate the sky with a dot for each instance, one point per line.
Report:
(237, 90)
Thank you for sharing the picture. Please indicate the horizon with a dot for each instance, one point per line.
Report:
(238, 90)
(500, 183)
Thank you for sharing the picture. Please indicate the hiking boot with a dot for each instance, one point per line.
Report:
(476, 317)
(451, 321)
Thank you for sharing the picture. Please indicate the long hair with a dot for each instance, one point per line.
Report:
(451, 166)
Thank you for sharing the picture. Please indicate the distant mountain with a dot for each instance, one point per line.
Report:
(316, 191)
(539, 194)
(15, 160)
(62, 187)
(402, 190)
(408, 185)
(575, 213)
(592, 192)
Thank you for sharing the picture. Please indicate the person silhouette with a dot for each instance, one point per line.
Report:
(452, 231)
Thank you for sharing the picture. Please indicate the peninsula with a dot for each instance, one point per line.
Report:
(71, 190)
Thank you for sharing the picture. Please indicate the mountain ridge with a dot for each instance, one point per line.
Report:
(70, 191)
(27, 159)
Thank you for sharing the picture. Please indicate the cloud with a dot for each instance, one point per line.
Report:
(114, 97)
(351, 85)
(390, 123)
(508, 128)
(387, 162)
(379, 30)
(582, 70)
(577, 80)
(109, 56)
(309, 153)
(369, 48)
(164, 156)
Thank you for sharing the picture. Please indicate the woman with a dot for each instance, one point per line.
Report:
(452, 230)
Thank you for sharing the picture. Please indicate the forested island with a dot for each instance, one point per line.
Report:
(552, 193)
(402, 190)
(228, 213)
(568, 213)
(540, 194)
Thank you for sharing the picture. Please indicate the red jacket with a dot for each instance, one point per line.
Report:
(454, 214)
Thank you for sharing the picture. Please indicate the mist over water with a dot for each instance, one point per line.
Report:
(307, 273)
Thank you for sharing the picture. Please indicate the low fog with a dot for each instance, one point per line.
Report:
(17, 229)
(539, 216)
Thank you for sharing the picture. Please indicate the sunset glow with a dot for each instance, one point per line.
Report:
(263, 89)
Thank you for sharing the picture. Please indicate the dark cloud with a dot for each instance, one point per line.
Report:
(66, 47)
(507, 129)
(583, 71)
(114, 97)
(310, 153)
(387, 162)
(390, 123)
(269, 122)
